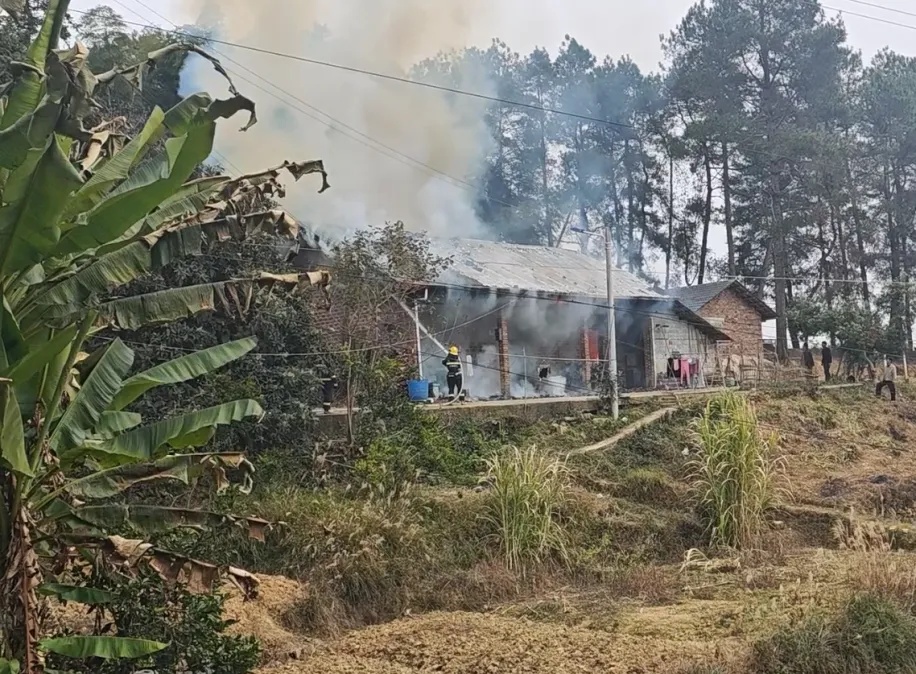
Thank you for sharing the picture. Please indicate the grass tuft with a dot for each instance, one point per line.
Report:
(528, 490)
(734, 473)
(875, 567)
(871, 635)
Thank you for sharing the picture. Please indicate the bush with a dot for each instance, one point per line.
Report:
(871, 636)
(191, 624)
(364, 559)
(407, 443)
(528, 489)
(734, 473)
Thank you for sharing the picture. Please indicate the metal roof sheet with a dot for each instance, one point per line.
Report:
(491, 264)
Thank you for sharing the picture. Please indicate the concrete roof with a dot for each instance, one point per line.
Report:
(511, 266)
(696, 297)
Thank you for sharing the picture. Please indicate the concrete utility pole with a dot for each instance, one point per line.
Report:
(611, 323)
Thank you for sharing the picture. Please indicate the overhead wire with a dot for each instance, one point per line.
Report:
(334, 124)
(424, 84)
(456, 91)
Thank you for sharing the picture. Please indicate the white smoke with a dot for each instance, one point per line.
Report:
(445, 132)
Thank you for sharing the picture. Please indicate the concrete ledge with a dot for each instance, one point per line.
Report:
(334, 424)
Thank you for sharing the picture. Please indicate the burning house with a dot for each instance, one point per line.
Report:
(532, 321)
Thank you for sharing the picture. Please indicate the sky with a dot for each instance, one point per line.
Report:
(606, 27)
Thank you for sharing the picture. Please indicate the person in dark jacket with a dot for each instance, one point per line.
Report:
(808, 359)
(329, 386)
(453, 377)
(826, 360)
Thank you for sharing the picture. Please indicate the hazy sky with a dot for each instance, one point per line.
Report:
(607, 27)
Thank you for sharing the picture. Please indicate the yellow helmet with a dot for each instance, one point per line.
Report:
(453, 350)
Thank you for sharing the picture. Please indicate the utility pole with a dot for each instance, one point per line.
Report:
(416, 320)
(611, 323)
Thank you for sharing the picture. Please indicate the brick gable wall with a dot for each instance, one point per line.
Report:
(741, 322)
(394, 328)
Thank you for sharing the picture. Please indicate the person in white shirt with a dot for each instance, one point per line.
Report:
(888, 379)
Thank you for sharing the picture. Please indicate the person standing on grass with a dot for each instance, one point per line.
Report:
(888, 379)
(808, 359)
(826, 360)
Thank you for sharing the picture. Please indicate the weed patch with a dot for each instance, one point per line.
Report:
(870, 635)
(875, 567)
(647, 485)
(527, 490)
(734, 473)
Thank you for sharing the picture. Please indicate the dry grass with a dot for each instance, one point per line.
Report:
(875, 567)
(646, 583)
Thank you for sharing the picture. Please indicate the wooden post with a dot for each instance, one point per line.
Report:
(905, 374)
(504, 374)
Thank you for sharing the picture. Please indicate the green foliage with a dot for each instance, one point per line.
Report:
(862, 331)
(528, 489)
(281, 323)
(403, 442)
(84, 214)
(190, 624)
(734, 473)
(870, 635)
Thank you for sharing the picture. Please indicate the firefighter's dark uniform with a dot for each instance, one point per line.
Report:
(453, 374)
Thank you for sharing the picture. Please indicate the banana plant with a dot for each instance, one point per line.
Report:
(84, 212)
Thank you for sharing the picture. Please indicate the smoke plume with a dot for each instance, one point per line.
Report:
(369, 186)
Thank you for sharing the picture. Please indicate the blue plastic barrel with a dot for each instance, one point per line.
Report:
(418, 389)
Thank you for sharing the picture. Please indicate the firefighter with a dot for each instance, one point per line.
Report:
(453, 377)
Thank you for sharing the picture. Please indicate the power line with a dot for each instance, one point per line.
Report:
(353, 69)
(334, 123)
(884, 7)
(384, 76)
(394, 150)
(870, 17)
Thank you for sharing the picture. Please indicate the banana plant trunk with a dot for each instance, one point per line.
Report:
(20, 608)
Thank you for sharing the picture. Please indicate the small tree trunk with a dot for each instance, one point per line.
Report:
(670, 241)
(707, 216)
(729, 225)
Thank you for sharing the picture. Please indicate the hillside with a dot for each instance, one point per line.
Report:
(636, 600)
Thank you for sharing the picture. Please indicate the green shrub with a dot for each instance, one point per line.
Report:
(529, 487)
(388, 464)
(192, 625)
(734, 473)
(871, 636)
(410, 443)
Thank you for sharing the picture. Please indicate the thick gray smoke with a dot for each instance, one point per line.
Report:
(368, 186)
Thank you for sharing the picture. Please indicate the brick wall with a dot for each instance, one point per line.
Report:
(393, 328)
(739, 321)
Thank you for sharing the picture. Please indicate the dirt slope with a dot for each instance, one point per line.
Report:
(842, 449)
